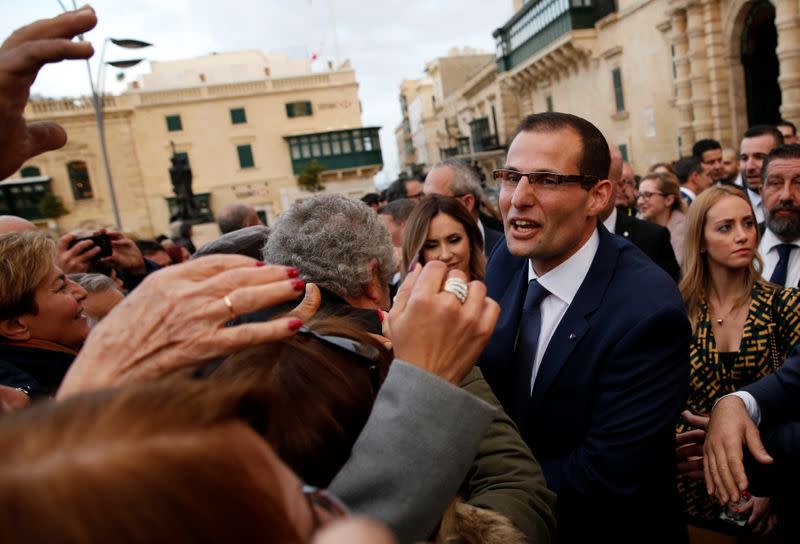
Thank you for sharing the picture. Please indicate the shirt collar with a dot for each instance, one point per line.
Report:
(688, 192)
(770, 240)
(611, 221)
(564, 280)
(480, 228)
(755, 197)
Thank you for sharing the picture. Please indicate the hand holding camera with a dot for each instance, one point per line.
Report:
(77, 254)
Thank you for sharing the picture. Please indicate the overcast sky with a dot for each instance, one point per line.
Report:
(386, 40)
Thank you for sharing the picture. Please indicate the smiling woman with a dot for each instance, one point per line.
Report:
(441, 229)
(42, 324)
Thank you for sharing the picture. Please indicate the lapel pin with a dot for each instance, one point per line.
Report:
(572, 336)
(625, 234)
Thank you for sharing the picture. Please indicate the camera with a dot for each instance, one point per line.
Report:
(103, 241)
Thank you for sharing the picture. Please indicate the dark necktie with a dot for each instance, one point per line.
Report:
(530, 325)
(779, 274)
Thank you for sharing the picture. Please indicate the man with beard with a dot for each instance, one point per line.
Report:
(780, 192)
(757, 142)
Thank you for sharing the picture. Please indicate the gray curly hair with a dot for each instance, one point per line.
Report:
(331, 239)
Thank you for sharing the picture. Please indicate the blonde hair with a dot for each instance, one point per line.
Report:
(669, 185)
(694, 285)
(25, 260)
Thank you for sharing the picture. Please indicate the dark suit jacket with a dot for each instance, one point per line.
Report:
(778, 393)
(607, 394)
(490, 239)
(652, 239)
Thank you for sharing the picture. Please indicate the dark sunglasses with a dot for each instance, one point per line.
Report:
(368, 354)
(546, 179)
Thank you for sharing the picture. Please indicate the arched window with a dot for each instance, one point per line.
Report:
(79, 180)
(30, 172)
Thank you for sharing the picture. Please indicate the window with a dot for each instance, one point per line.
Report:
(619, 98)
(623, 150)
(295, 150)
(245, 156)
(336, 145)
(79, 180)
(299, 109)
(30, 172)
(238, 116)
(549, 101)
(174, 123)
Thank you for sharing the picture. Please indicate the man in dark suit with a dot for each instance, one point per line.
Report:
(456, 178)
(771, 404)
(652, 239)
(590, 354)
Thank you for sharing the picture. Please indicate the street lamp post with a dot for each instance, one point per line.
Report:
(98, 99)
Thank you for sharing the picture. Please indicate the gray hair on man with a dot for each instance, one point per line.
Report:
(234, 217)
(332, 240)
(93, 283)
(465, 179)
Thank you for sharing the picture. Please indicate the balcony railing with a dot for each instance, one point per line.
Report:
(23, 198)
(540, 23)
(336, 149)
(448, 152)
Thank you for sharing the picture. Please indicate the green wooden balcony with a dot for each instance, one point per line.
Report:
(336, 149)
(23, 197)
(541, 22)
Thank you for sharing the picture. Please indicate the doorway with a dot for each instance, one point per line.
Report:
(761, 67)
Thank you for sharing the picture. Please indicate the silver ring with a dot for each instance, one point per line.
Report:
(458, 287)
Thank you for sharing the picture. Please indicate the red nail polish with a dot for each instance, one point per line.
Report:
(381, 316)
(298, 285)
(295, 324)
(261, 263)
(292, 272)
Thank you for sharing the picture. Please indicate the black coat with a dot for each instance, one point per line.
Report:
(37, 371)
(652, 239)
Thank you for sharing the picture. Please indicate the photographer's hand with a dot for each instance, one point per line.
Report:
(75, 259)
(125, 253)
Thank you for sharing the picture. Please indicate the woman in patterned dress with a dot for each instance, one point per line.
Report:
(743, 327)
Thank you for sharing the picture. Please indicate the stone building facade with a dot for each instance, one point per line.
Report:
(248, 123)
(654, 75)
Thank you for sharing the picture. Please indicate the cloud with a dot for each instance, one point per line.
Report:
(386, 41)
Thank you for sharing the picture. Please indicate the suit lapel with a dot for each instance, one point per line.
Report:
(574, 325)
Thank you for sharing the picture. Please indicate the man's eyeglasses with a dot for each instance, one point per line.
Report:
(369, 354)
(320, 499)
(511, 178)
(646, 195)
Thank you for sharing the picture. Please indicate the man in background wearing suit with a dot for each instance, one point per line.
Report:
(652, 239)
(456, 178)
(590, 353)
(780, 194)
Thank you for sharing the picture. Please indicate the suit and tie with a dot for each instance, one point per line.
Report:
(781, 260)
(652, 239)
(611, 381)
(490, 239)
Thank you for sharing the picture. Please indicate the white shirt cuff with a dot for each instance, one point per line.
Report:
(750, 404)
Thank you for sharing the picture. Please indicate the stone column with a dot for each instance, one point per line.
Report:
(787, 22)
(683, 91)
(718, 74)
(698, 66)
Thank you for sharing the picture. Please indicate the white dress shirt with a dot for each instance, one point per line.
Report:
(769, 252)
(689, 193)
(758, 205)
(749, 403)
(483, 232)
(563, 283)
(611, 221)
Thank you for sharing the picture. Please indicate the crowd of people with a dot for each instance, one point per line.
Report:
(597, 354)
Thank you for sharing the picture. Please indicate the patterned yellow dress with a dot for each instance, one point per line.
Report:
(710, 379)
